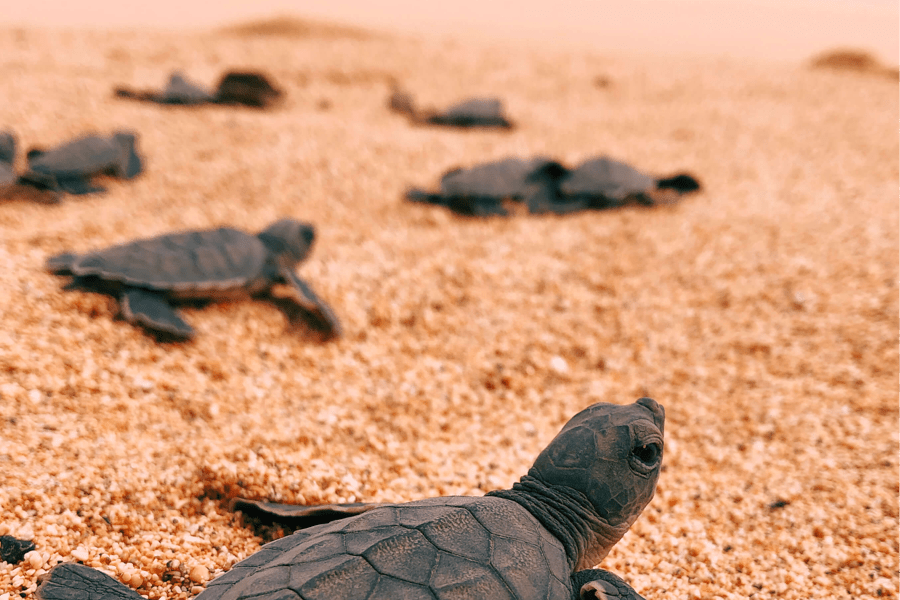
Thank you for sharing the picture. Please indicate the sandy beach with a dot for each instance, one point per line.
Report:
(761, 312)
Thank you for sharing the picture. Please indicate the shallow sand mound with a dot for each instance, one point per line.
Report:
(762, 312)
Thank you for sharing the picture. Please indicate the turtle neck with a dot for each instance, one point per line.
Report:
(569, 516)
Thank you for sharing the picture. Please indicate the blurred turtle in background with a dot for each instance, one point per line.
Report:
(546, 186)
(148, 276)
(71, 167)
(8, 174)
(474, 112)
(247, 88)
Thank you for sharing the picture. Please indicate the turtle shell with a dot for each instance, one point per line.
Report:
(445, 548)
(187, 264)
(507, 178)
(86, 155)
(606, 179)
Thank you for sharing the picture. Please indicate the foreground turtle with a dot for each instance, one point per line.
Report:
(71, 167)
(248, 88)
(544, 185)
(148, 275)
(536, 541)
(474, 112)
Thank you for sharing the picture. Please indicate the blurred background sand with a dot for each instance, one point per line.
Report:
(765, 29)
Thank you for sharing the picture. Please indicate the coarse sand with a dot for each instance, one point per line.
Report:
(762, 312)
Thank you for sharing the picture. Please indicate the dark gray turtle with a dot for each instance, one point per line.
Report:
(544, 185)
(7, 159)
(179, 90)
(247, 88)
(481, 190)
(71, 166)
(39, 188)
(474, 112)
(536, 541)
(148, 275)
(607, 183)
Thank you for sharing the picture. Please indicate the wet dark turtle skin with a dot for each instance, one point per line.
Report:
(536, 541)
(546, 186)
(247, 88)
(149, 275)
(70, 167)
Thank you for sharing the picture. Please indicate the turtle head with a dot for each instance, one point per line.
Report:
(289, 239)
(7, 147)
(610, 453)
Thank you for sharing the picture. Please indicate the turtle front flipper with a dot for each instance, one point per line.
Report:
(73, 581)
(597, 584)
(152, 311)
(302, 297)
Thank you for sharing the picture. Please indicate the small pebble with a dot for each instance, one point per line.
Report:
(559, 365)
(34, 559)
(199, 574)
(80, 554)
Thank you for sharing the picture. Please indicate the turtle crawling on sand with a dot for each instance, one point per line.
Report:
(536, 541)
(474, 112)
(248, 88)
(70, 167)
(8, 175)
(546, 186)
(148, 276)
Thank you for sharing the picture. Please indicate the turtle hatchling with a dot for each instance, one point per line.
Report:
(248, 88)
(474, 112)
(148, 276)
(70, 167)
(546, 186)
(538, 540)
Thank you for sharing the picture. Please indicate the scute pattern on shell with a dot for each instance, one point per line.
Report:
(197, 260)
(441, 548)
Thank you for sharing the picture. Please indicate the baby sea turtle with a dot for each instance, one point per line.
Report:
(8, 175)
(536, 541)
(148, 275)
(179, 90)
(71, 166)
(474, 112)
(248, 88)
(480, 190)
(545, 185)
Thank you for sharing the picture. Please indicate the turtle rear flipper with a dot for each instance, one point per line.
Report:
(597, 584)
(303, 297)
(72, 581)
(152, 311)
(294, 516)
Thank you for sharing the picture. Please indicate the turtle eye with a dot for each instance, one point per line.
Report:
(647, 453)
